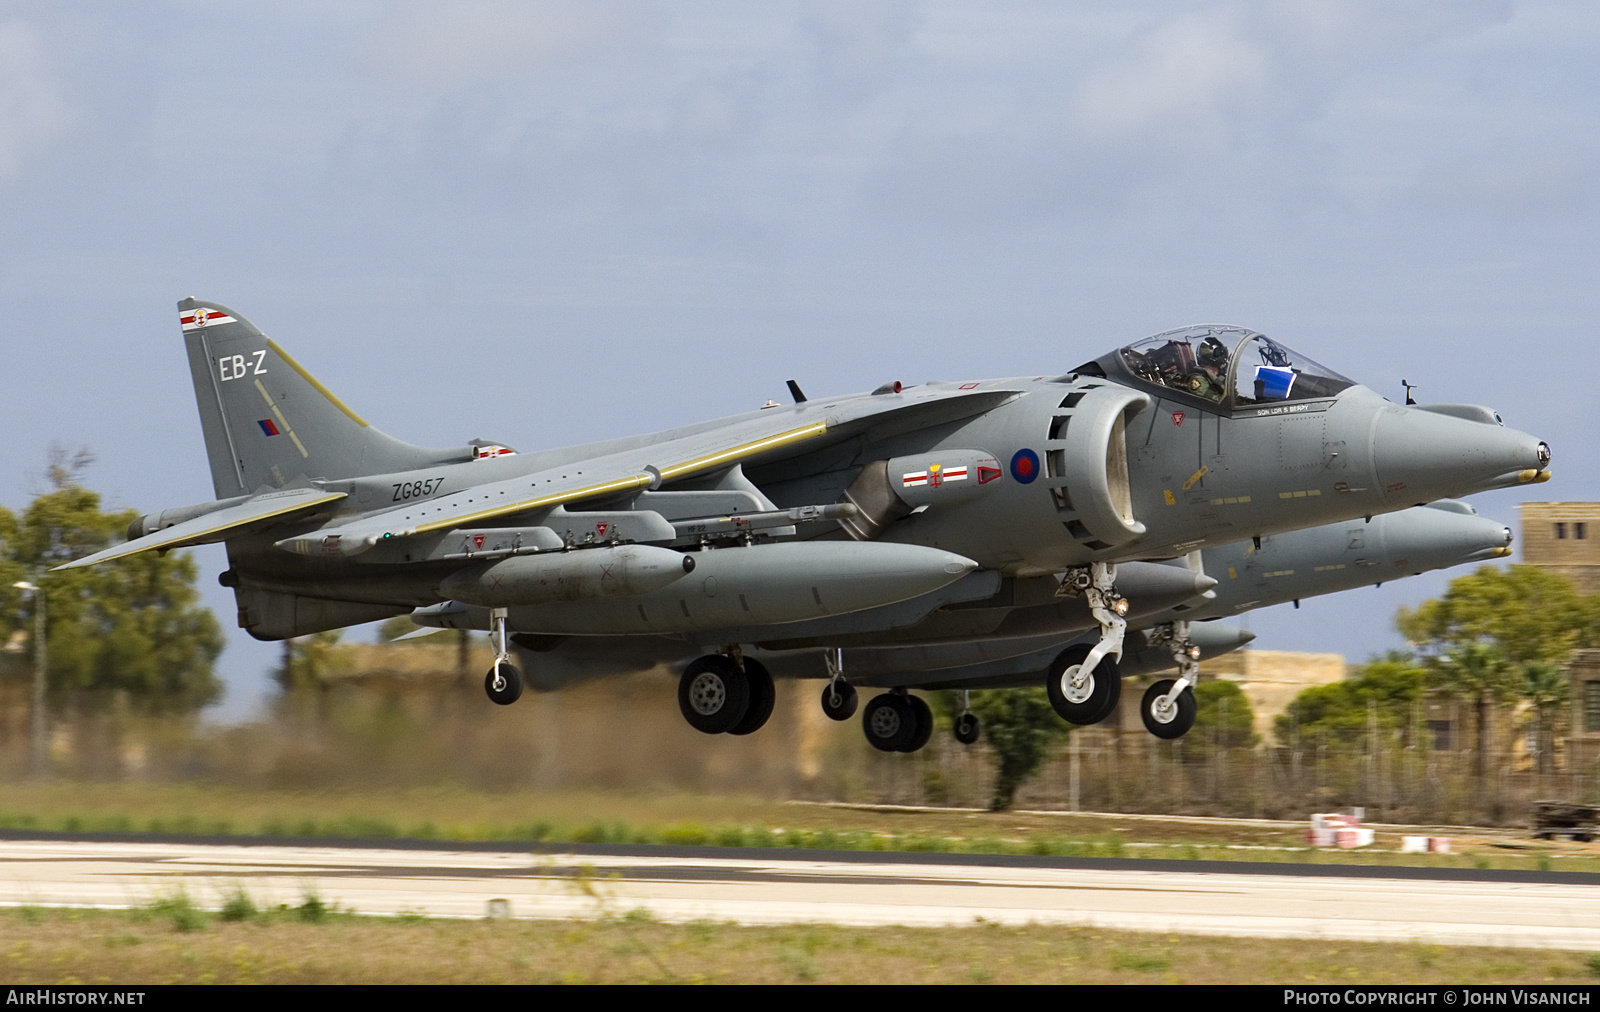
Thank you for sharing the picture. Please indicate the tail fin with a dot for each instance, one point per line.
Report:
(267, 421)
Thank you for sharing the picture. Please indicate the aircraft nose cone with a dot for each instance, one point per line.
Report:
(1421, 455)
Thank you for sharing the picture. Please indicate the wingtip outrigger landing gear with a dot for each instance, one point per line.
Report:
(966, 725)
(503, 683)
(1168, 708)
(1083, 683)
(839, 699)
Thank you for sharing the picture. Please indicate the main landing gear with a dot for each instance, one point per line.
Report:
(726, 693)
(1083, 683)
(503, 683)
(1168, 708)
(897, 722)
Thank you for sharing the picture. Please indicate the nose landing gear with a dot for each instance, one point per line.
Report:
(1083, 682)
(503, 683)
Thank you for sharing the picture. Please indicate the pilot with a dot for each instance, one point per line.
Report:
(1209, 378)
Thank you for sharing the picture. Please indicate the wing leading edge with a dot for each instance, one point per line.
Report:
(230, 521)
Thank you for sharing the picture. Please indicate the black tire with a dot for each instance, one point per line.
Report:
(763, 694)
(713, 694)
(1178, 722)
(1099, 695)
(848, 701)
(967, 728)
(924, 718)
(510, 689)
(889, 722)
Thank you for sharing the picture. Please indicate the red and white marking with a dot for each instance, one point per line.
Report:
(195, 319)
(933, 476)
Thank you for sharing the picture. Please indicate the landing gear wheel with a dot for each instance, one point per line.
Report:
(845, 707)
(763, 694)
(889, 722)
(967, 728)
(1090, 701)
(1173, 720)
(713, 694)
(503, 684)
(924, 718)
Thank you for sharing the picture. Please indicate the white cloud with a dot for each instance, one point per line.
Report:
(1184, 74)
(464, 42)
(31, 110)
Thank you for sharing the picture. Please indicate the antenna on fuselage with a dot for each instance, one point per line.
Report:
(795, 392)
(1409, 387)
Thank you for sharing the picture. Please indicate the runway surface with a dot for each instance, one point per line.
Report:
(769, 887)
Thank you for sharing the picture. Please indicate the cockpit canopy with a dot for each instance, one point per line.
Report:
(1231, 367)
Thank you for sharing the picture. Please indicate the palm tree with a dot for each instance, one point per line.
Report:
(1477, 671)
(1545, 686)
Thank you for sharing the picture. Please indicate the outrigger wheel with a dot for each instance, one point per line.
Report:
(967, 728)
(1082, 698)
(503, 683)
(839, 700)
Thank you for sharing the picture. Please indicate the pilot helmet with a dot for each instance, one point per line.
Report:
(1213, 354)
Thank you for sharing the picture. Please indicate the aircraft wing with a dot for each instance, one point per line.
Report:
(258, 511)
(766, 435)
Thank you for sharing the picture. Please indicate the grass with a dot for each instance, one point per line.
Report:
(281, 947)
(449, 813)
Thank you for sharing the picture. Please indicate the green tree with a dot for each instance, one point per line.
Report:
(1528, 612)
(1475, 670)
(1494, 637)
(1224, 717)
(1546, 687)
(1387, 687)
(1020, 726)
(132, 625)
(311, 659)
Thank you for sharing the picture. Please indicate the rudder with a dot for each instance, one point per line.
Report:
(267, 421)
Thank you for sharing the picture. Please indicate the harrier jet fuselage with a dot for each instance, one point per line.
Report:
(948, 512)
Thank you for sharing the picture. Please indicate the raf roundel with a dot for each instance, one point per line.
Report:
(1025, 466)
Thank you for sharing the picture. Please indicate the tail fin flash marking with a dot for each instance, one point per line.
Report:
(316, 384)
(197, 319)
(282, 421)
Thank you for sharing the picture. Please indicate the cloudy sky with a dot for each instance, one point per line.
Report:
(543, 222)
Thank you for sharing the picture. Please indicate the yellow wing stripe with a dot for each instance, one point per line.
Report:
(641, 480)
(298, 504)
(134, 547)
(316, 383)
(734, 453)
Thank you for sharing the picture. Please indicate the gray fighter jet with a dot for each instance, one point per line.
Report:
(990, 508)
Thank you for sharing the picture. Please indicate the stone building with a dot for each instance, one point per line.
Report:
(1563, 537)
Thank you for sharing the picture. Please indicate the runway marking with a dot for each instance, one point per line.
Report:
(684, 884)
